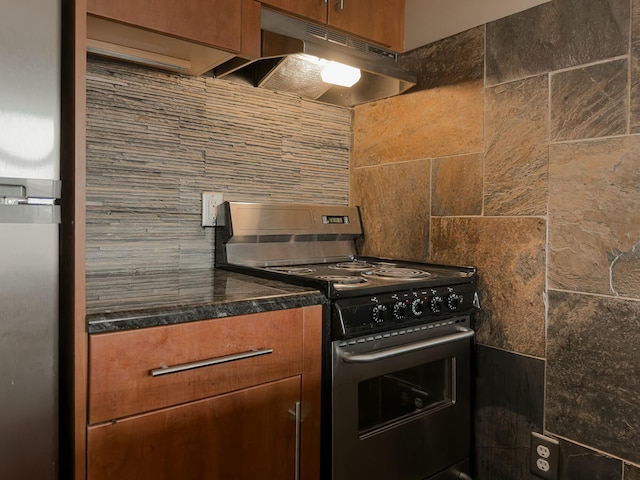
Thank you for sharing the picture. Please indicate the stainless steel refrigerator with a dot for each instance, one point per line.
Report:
(29, 238)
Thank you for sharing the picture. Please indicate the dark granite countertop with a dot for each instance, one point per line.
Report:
(123, 302)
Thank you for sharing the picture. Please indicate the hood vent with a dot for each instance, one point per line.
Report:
(296, 55)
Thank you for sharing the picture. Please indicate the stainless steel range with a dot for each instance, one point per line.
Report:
(398, 339)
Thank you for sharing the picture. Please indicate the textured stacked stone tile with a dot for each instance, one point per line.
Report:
(156, 141)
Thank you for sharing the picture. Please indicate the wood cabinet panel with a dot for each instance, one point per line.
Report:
(381, 21)
(120, 363)
(245, 435)
(210, 22)
(311, 393)
(315, 10)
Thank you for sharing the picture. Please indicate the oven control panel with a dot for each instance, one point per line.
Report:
(389, 311)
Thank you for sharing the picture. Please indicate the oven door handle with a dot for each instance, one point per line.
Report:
(403, 349)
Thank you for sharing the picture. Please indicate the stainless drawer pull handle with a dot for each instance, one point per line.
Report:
(297, 413)
(207, 363)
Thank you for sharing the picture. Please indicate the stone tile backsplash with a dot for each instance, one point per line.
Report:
(515, 173)
(590, 102)
(556, 35)
(510, 257)
(156, 141)
(394, 201)
(594, 216)
(593, 372)
(431, 123)
(503, 422)
(546, 204)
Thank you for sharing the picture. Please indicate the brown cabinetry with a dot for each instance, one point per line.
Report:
(213, 399)
(190, 36)
(380, 21)
(210, 22)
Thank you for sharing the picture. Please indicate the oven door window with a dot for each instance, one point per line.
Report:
(401, 395)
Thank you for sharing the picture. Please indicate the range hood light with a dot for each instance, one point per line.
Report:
(340, 74)
(294, 59)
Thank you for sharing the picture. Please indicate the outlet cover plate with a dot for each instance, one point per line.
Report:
(545, 456)
(210, 203)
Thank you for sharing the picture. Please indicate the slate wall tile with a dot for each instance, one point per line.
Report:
(590, 102)
(577, 462)
(516, 147)
(631, 472)
(456, 185)
(453, 60)
(594, 226)
(635, 67)
(509, 403)
(394, 201)
(510, 256)
(427, 124)
(556, 35)
(593, 372)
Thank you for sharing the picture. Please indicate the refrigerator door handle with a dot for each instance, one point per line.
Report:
(30, 187)
(27, 200)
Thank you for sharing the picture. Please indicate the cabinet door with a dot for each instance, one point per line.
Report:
(245, 435)
(210, 22)
(312, 9)
(381, 21)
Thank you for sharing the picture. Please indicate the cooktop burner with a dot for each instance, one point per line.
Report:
(342, 279)
(354, 265)
(293, 270)
(397, 273)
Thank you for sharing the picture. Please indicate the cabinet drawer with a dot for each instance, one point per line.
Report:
(128, 370)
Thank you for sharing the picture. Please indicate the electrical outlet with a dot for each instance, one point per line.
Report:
(545, 453)
(210, 203)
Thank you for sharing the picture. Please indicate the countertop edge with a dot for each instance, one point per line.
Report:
(136, 319)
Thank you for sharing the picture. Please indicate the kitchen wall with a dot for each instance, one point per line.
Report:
(518, 152)
(156, 141)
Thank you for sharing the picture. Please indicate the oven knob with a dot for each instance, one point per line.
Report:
(436, 304)
(417, 307)
(399, 309)
(453, 301)
(377, 313)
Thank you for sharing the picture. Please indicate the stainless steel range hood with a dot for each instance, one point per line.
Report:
(292, 60)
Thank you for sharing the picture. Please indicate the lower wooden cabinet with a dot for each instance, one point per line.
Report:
(248, 434)
(157, 412)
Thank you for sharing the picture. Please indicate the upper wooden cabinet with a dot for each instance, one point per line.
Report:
(210, 22)
(190, 36)
(380, 21)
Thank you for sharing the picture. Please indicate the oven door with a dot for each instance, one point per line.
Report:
(400, 406)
